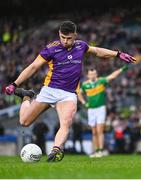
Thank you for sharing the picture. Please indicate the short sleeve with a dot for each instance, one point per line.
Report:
(86, 46)
(82, 87)
(103, 80)
(45, 53)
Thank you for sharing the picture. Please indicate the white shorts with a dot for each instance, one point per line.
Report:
(96, 116)
(52, 95)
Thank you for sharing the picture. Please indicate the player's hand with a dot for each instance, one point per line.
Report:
(10, 89)
(86, 105)
(126, 57)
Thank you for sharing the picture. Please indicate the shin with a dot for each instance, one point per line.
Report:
(66, 111)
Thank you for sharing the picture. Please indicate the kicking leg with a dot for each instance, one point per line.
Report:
(29, 111)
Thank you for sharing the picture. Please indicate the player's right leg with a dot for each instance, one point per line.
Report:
(29, 111)
(66, 111)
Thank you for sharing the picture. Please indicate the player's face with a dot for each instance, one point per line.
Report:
(67, 40)
(92, 75)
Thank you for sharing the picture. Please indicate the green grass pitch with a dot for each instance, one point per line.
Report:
(73, 167)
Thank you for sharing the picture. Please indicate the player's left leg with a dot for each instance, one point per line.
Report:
(92, 119)
(100, 134)
(66, 111)
(95, 140)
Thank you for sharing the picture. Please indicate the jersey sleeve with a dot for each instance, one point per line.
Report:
(86, 46)
(103, 80)
(82, 87)
(45, 53)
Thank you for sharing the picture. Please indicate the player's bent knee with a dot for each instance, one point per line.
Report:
(67, 122)
(24, 123)
(94, 133)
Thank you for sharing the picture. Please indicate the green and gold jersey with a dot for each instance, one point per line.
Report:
(95, 92)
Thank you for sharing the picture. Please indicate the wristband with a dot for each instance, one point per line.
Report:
(118, 53)
(14, 84)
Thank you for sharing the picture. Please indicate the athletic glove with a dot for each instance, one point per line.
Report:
(10, 89)
(126, 57)
(124, 68)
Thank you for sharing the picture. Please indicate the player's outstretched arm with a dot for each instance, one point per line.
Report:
(117, 73)
(106, 53)
(25, 74)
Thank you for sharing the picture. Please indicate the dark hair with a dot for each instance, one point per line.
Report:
(90, 69)
(67, 27)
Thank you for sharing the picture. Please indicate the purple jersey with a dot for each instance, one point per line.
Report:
(65, 65)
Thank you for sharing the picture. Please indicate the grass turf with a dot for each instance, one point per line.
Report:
(73, 167)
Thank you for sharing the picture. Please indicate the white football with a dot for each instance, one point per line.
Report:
(31, 153)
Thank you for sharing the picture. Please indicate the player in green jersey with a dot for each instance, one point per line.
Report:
(94, 89)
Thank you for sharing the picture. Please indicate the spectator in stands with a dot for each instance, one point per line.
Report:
(39, 130)
(2, 130)
(77, 133)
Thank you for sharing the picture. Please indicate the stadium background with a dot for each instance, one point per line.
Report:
(26, 26)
